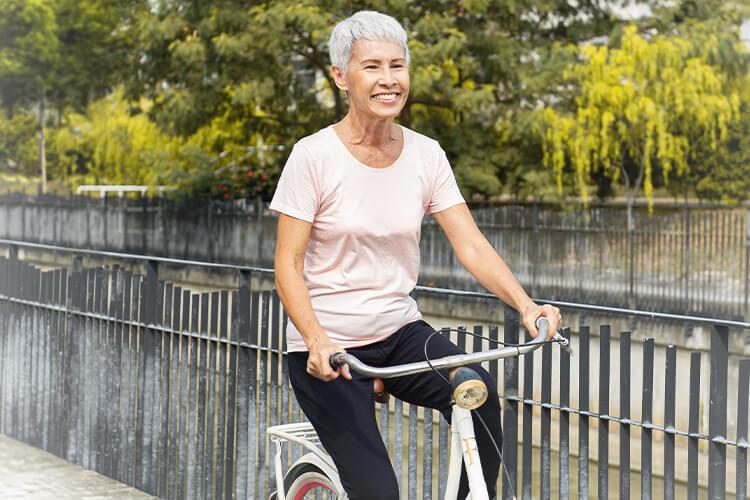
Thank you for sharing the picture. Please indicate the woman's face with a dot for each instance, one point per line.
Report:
(377, 79)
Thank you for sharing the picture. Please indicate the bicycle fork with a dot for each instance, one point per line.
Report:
(464, 443)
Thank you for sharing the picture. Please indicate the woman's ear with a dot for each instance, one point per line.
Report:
(339, 78)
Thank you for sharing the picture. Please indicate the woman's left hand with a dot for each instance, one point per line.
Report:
(533, 312)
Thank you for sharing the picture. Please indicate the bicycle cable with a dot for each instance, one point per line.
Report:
(475, 412)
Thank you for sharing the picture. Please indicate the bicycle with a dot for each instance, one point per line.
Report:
(315, 472)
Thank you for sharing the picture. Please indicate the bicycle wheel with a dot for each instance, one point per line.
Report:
(306, 481)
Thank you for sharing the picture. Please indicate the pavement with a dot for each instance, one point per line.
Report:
(28, 472)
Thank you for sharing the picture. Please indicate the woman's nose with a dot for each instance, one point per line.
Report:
(387, 77)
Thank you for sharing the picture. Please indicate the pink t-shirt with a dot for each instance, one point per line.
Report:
(362, 258)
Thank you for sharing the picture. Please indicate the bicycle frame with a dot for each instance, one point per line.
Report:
(464, 443)
(463, 438)
(301, 433)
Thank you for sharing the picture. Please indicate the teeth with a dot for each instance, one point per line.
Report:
(385, 97)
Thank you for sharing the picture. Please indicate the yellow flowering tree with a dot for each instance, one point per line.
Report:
(114, 143)
(639, 109)
(110, 145)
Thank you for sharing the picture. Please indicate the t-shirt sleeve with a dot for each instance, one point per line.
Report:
(297, 193)
(445, 192)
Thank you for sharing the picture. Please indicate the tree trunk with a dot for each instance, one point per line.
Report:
(631, 216)
(42, 153)
(632, 190)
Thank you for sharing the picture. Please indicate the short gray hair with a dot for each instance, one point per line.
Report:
(364, 25)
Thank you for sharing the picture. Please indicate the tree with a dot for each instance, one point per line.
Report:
(18, 148)
(109, 144)
(97, 49)
(479, 69)
(639, 109)
(27, 57)
(68, 52)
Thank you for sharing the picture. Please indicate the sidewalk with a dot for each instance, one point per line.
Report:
(27, 472)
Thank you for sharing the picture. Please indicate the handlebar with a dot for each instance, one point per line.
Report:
(338, 359)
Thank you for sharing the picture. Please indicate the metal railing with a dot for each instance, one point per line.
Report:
(171, 391)
(691, 259)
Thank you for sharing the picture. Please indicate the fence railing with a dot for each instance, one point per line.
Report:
(171, 391)
(689, 259)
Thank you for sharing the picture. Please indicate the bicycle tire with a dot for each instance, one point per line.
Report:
(308, 478)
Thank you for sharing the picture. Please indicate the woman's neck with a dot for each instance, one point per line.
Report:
(364, 131)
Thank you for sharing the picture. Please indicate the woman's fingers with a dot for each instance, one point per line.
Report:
(319, 364)
(547, 311)
(552, 314)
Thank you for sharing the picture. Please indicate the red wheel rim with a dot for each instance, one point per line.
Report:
(307, 487)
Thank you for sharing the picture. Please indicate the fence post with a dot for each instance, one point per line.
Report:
(631, 266)
(210, 217)
(647, 406)
(144, 222)
(717, 413)
(584, 363)
(546, 442)
(604, 366)
(625, 414)
(535, 249)
(693, 424)
(670, 385)
(686, 254)
(564, 483)
(259, 223)
(510, 410)
(13, 252)
(742, 406)
(747, 265)
(146, 378)
(77, 263)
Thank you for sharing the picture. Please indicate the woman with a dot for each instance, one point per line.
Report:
(351, 200)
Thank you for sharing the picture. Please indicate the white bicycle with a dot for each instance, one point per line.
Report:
(314, 475)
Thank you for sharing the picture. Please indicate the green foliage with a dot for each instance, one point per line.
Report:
(214, 93)
(96, 42)
(63, 53)
(722, 174)
(479, 68)
(18, 148)
(109, 144)
(640, 107)
(28, 51)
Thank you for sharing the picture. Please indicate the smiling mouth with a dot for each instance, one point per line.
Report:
(386, 97)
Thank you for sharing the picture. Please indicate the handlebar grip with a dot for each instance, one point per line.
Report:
(336, 360)
(542, 326)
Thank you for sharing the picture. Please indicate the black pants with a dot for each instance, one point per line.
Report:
(343, 412)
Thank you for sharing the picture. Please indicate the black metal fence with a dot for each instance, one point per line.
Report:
(688, 259)
(171, 391)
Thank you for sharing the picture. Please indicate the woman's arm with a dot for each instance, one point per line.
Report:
(483, 262)
(291, 244)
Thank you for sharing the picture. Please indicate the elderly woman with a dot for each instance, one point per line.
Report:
(351, 201)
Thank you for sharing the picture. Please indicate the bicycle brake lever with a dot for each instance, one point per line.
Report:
(564, 343)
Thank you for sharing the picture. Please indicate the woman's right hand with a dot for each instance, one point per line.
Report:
(319, 364)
